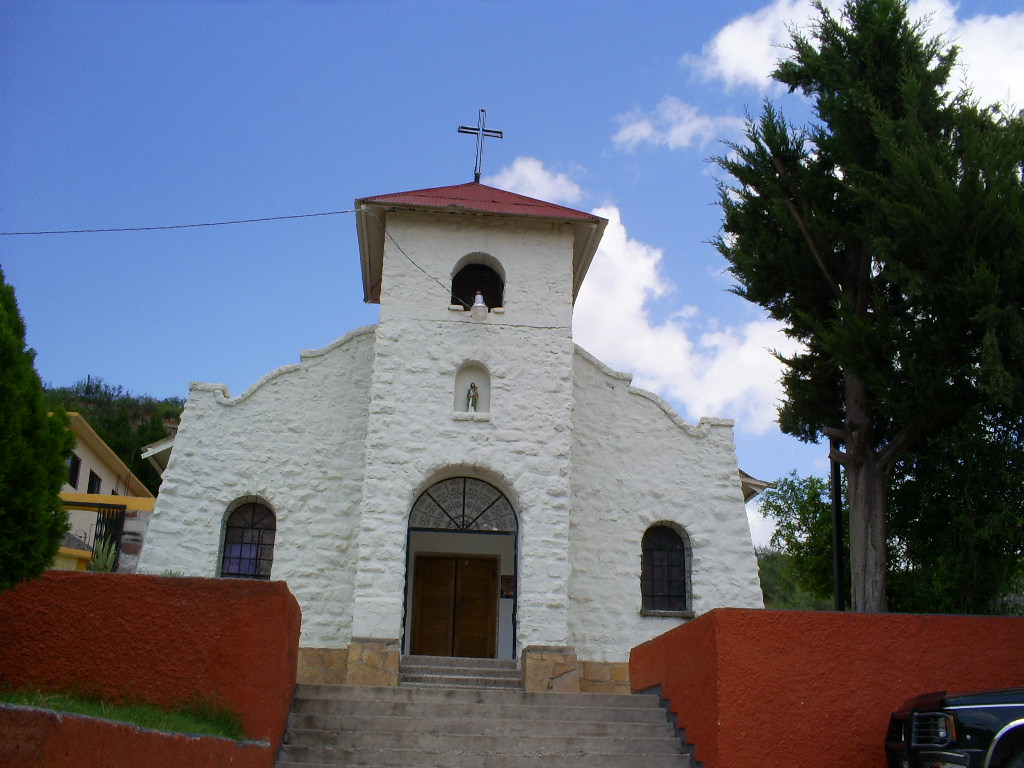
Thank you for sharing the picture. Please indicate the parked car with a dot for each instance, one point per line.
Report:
(977, 730)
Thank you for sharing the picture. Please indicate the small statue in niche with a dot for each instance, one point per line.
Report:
(472, 398)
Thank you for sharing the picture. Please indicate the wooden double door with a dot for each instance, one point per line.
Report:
(455, 606)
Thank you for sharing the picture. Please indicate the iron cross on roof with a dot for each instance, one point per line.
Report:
(482, 133)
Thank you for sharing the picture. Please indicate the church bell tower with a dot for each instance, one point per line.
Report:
(472, 382)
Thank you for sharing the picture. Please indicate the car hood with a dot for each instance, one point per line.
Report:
(1002, 696)
(930, 702)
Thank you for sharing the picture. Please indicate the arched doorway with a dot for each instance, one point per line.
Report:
(460, 575)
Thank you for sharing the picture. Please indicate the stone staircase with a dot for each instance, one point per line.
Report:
(455, 672)
(454, 714)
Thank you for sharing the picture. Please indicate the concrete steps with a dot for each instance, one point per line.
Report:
(428, 727)
(455, 672)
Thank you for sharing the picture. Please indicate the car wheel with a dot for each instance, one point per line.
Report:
(1016, 760)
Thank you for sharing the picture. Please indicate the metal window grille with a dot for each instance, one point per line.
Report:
(463, 504)
(249, 543)
(663, 570)
(109, 525)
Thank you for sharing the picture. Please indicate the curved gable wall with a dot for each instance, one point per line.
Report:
(296, 439)
(635, 463)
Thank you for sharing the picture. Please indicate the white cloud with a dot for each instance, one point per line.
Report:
(939, 15)
(744, 52)
(709, 370)
(529, 177)
(992, 57)
(673, 123)
(747, 50)
(761, 527)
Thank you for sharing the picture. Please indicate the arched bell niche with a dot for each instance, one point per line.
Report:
(478, 272)
(471, 376)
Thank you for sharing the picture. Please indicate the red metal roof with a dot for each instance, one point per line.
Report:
(475, 196)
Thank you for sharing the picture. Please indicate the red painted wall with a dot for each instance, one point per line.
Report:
(166, 641)
(36, 738)
(798, 689)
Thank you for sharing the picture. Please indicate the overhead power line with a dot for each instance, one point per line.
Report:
(176, 226)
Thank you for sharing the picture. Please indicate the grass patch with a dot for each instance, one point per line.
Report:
(199, 718)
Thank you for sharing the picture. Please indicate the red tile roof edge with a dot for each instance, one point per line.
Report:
(474, 196)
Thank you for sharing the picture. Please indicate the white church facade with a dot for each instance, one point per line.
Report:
(461, 480)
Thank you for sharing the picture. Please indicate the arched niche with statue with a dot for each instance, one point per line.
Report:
(472, 388)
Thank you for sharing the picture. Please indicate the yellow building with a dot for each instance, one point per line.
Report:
(104, 501)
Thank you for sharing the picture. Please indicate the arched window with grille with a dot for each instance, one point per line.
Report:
(249, 534)
(664, 570)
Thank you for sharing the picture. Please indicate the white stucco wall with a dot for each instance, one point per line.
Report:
(522, 445)
(295, 441)
(341, 445)
(636, 463)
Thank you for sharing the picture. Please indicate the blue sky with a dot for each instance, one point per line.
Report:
(142, 114)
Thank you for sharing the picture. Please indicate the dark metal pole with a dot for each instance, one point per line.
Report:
(838, 567)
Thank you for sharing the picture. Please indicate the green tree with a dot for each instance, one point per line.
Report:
(33, 448)
(781, 587)
(956, 521)
(802, 510)
(955, 527)
(124, 421)
(886, 236)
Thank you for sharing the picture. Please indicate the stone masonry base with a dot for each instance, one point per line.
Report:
(322, 666)
(604, 676)
(550, 668)
(374, 661)
(556, 668)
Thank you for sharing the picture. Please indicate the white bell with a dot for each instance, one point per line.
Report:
(479, 309)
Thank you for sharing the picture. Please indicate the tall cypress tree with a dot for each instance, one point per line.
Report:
(887, 237)
(33, 449)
